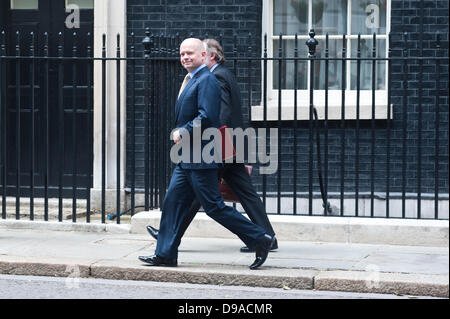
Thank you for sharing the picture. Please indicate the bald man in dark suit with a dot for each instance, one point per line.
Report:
(198, 107)
(234, 173)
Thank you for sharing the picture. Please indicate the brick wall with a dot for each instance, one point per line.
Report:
(229, 20)
(230, 17)
(406, 17)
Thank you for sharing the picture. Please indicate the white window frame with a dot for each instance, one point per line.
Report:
(12, 2)
(334, 96)
(81, 7)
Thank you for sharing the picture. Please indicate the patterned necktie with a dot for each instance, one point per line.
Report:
(185, 82)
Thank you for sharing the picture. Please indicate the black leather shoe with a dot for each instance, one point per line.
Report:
(153, 232)
(245, 249)
(155, 260)
(262, 251)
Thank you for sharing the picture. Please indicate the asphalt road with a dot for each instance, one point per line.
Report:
(30, 287)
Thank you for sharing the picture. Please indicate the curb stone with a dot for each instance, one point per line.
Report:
(387, 283)
(304, 279)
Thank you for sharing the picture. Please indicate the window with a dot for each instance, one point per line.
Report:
(82, 4)
(24, 4)
(337, 18)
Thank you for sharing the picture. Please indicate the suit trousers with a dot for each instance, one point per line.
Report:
(184, 187)
(240, 182)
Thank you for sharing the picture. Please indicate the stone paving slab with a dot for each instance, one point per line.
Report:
(297, 265)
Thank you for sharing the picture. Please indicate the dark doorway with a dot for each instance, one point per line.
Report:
(62, 98)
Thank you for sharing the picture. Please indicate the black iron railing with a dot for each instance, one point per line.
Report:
(345, 165)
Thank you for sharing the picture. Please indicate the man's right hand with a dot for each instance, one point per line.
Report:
(176, 136)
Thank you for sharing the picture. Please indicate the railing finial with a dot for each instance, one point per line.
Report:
(147, 43)
(312, 43)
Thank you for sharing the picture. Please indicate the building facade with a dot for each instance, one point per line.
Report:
(255, 28)
(234, 21)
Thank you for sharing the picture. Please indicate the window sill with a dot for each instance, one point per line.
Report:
(334, 112)
(334, 107)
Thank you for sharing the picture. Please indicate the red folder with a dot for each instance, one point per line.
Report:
(228, 150)
(225, 190)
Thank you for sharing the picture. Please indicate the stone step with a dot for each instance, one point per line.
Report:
(384, 231)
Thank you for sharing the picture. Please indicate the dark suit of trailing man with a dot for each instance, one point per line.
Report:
(235, 174)
(199, 102)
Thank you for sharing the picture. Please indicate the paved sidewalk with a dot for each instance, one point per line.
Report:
(405, 270)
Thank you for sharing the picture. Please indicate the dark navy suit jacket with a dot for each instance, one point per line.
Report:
(198, 104)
